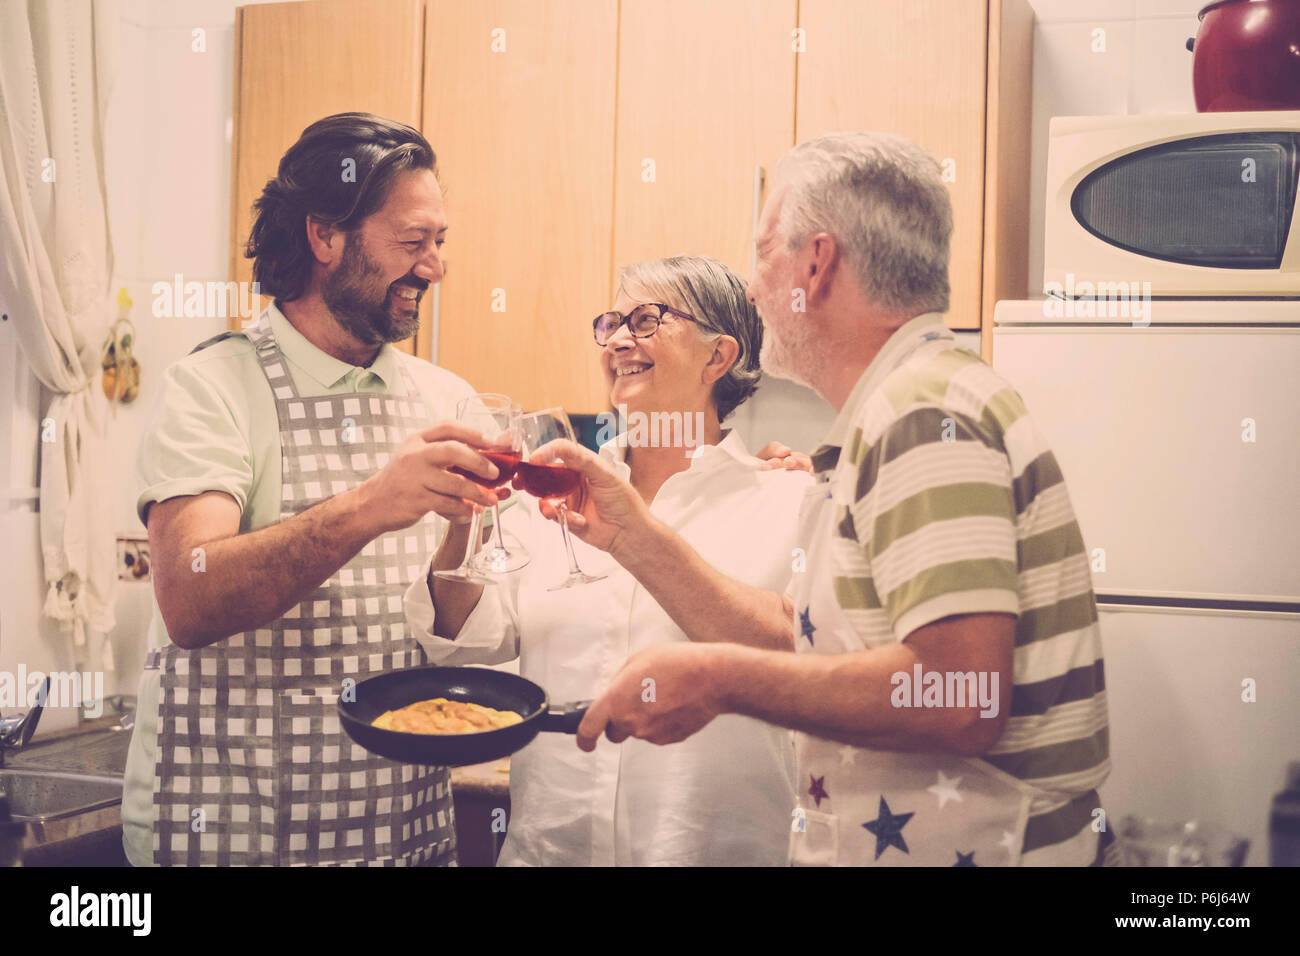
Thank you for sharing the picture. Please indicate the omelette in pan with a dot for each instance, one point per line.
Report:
(443, 716)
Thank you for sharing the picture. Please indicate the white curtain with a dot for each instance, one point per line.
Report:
(57, 60)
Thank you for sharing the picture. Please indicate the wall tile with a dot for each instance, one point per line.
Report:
(1072, 80)
(188, 162)
(168, 158)
(130, 139)
(1055, 11)
(130, 637)
(159, 341)
(1169, 8)
(185, 14)
(1161, 81)
(26, 639)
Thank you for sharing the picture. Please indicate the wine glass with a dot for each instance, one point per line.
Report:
(498, 419)
(499, 558)
(553, 481)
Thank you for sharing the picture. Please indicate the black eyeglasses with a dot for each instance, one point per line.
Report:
(642, 322)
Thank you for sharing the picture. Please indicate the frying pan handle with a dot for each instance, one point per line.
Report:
(564, 718)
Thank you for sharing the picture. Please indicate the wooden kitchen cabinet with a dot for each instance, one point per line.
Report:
(705, 109)
(519, 105)
(517, 99)
(955, 76)
(296, 63)
(575, 137)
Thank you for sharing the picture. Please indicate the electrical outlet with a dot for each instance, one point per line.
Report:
(133, 562)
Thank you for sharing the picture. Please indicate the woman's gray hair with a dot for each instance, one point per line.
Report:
(883, 199)
(715, 296)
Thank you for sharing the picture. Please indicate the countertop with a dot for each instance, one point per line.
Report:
(483, 780)
(96, 747)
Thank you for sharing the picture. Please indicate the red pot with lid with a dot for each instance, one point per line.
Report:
(1247, 56)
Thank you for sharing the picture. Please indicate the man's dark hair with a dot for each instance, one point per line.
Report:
(315, 179)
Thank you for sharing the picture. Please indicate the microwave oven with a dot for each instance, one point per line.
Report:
(1198, 204)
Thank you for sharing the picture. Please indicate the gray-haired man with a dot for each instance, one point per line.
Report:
(947, 688)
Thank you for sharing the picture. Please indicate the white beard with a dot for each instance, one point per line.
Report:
(775, 360)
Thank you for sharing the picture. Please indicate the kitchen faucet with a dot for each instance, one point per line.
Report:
(17, 730)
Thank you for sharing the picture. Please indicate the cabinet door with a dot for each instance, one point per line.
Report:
(519, 106)
(705, 98)
(915, 68)
(299, 62)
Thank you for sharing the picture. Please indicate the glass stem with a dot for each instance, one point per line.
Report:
(496, 526)
(568, 545)
(475, 540)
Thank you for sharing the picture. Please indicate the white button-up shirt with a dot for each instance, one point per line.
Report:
(723, 797)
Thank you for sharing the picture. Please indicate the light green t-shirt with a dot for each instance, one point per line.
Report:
(215, 428)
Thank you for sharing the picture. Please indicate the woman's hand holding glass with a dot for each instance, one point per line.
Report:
(547, 476)
(604, 511)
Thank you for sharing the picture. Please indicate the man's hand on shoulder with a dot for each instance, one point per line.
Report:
(775, 455)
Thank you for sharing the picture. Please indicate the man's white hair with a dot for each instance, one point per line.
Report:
(883, 199)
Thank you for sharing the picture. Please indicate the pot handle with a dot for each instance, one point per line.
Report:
(1191, 44)
(565, 718)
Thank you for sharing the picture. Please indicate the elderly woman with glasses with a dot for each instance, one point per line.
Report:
(680, 345)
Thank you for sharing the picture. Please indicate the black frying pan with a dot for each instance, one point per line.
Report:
(475, 685)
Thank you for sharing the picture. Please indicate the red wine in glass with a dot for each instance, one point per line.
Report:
(490, 414)
(548, 481)
(506, 462)
(552, 480)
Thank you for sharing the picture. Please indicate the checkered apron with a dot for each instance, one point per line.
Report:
(253, 767)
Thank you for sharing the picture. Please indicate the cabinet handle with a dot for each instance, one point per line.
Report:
(753, 230)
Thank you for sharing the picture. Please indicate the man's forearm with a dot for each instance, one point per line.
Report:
(245, 581)
(709, 606)
(844, 697)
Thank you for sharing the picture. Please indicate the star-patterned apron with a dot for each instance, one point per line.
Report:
(253, 767)
(862, 807)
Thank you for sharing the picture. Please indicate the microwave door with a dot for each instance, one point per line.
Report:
(1221, 201)
(1199, 205)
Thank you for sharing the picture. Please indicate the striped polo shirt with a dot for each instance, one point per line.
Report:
(960, 508)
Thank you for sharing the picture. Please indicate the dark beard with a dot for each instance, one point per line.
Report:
(370, 313)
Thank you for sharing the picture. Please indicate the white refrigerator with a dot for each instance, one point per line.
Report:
(1179, 441)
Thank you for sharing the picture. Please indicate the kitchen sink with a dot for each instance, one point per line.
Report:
(45, 795)
(58, 806)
